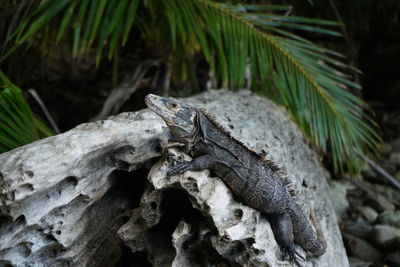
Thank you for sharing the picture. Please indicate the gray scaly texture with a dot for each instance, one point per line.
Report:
(256, 181)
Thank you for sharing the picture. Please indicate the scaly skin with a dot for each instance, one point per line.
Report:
(255, 181)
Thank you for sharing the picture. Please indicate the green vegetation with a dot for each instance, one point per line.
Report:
(239, 41)
(18, 125)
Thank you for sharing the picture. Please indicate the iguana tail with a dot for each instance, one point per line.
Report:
(304, 234)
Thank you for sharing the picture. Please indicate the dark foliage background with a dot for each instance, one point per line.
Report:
(75, 87)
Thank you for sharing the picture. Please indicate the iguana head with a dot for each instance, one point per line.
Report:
(179, 117)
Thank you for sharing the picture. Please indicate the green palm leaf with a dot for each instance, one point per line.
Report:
(18, 125)
(233, 38)
(309, 79)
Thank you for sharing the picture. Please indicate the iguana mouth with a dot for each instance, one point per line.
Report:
(157, 104)
(150, 101)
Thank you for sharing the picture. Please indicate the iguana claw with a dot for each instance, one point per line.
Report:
(178, 169)
(293, 255)
(181, 165)
(174, 159)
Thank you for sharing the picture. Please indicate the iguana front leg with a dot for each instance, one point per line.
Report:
(199, 163)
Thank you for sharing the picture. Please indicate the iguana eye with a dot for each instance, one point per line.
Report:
(173, 105)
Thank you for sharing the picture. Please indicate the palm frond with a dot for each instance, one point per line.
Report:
(18, 125)
(96, 23)
(309, 80)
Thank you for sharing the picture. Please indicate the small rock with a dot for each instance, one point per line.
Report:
(393, 259)
(382, 234)
(337, 194)
(385, 148)
(376, 200)
(355, 202)
(391, 218)
(361, 249)
(395, 158)
(356, 262)
(369, 213)
(356, 192)
(361, 228)
(389, 192)
(392, 245)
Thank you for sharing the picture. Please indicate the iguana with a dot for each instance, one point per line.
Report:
(257, 182)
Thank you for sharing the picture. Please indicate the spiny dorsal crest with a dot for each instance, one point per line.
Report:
(281, 174)
(217, 125)
(223, 130)
(270, 164)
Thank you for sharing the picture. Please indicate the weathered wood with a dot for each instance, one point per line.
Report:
(63, 202)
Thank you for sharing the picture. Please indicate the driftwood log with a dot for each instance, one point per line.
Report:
(98, 195)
